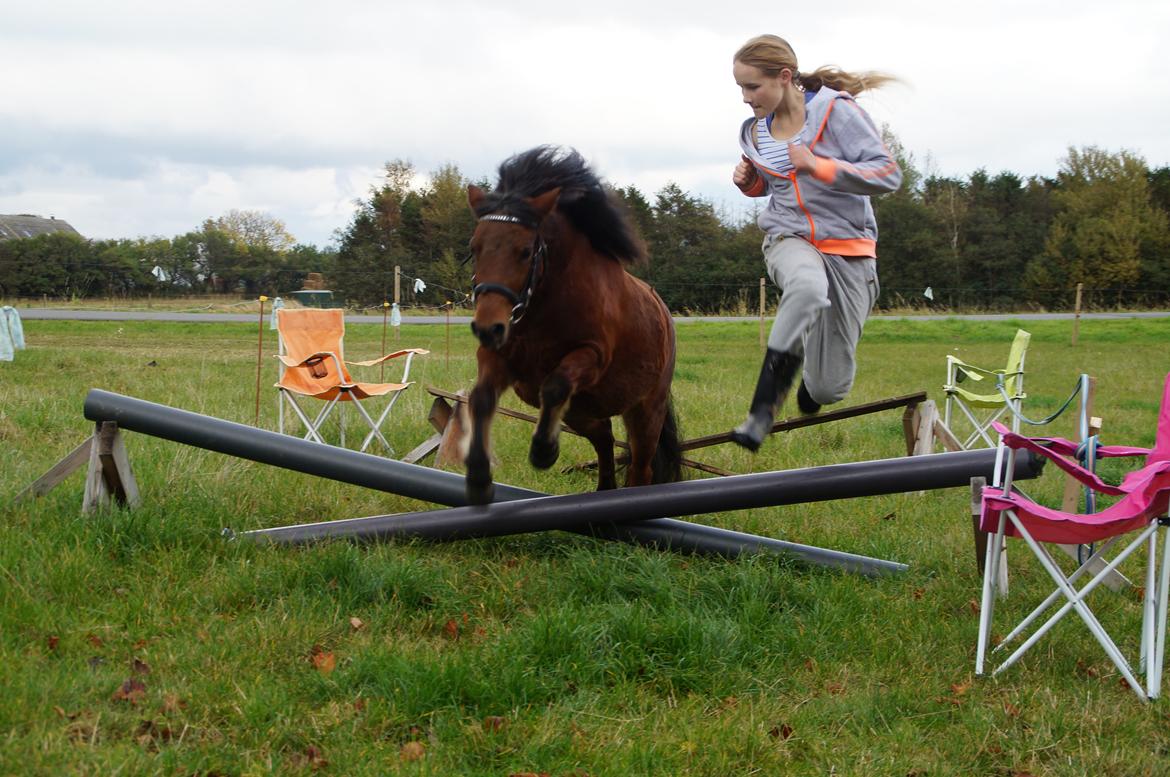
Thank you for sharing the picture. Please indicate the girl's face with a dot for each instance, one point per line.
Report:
(761, 92)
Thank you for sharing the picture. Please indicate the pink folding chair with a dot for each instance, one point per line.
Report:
(1142, 508)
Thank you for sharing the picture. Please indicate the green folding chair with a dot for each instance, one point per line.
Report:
(999, 392)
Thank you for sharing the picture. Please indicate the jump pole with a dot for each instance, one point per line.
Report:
(368, 471)
(448, 488)
(612, 513)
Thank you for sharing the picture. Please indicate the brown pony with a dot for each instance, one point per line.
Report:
(561, 321)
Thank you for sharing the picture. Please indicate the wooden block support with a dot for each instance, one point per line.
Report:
(109, 478)
(57, 473)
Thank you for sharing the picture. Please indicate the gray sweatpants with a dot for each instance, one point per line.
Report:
(824, 302)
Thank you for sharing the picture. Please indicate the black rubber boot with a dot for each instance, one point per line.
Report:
(776, 378)
(807, 405)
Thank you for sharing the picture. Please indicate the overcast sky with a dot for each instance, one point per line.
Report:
(133, 119)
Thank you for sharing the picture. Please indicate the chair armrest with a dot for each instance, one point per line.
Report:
(293, 362)
(1057, 449)
(404, 352)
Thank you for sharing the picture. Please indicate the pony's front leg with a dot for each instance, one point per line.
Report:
(599, 433)
(493, 379)
(579, 369)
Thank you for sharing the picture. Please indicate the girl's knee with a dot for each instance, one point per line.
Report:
(827, 392)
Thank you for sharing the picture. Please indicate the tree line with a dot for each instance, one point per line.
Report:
(985, 241)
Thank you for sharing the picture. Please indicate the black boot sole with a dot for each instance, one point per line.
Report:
(744, 441)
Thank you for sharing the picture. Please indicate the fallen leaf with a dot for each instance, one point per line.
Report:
(412, 751)
(451, 629)
(835, 689)
(359, 705)
(140, 667)
(1011, 709)
(53, 641)
(961, 688)
(918, 592)
(494, 723)
(94, 640)
(974, 606)
(356, 624)
(172, 703)
(323, 660)
(312, 758)
(149, 732)
(783, 731)
(133, 691)
(1088, 670)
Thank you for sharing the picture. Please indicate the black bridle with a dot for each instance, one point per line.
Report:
(535, 269)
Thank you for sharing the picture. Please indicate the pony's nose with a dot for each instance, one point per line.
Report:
(490, 336)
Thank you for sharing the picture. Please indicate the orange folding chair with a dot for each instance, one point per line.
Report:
(312, 364)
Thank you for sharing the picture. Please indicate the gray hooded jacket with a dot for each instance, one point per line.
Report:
(829, 207)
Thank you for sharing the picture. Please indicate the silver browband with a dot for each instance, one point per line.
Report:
(502, 217)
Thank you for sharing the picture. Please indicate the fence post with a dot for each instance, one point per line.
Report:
(397, 297)
(1077, 314)
(763, 299)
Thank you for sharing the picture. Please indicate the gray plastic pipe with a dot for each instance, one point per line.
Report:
(629, 515)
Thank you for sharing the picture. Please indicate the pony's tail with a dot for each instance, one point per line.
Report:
(666, 466)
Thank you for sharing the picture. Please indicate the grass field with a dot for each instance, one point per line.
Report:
(140, 642)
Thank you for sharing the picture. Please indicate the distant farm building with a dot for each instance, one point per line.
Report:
(25, 225)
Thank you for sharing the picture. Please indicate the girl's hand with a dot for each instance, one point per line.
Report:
(801, 158)
(743, 175)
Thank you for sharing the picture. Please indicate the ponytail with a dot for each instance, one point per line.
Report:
(843, 81)
(772, 54)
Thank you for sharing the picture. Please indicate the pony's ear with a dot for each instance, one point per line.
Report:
(544, 203)
(475, 195)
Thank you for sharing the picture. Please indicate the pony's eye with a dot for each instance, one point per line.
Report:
(525, 254)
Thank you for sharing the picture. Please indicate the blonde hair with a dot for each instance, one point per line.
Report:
(772, 54)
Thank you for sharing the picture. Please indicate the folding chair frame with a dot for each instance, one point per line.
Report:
(345, 393)
(1012, 376)
(1154, 612)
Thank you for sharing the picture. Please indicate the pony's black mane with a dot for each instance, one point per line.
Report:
(584, 200)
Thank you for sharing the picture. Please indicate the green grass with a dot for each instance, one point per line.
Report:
(544, 653)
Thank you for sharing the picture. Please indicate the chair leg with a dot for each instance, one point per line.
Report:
(374, 432)
(1043, 606)
(375, 428)
(990, 562)
(1160, 630)
(1148, 598)
(1076, 601)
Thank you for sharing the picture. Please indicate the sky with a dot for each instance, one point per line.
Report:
(136, 119)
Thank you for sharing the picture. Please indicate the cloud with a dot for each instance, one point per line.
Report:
(131, 119)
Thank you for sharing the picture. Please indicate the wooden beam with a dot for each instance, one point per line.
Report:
(813, 420)
(58, 472)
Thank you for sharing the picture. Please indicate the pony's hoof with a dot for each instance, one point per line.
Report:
(543, 454)
(480, 493)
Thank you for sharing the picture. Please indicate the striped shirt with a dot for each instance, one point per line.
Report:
(774, 152)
